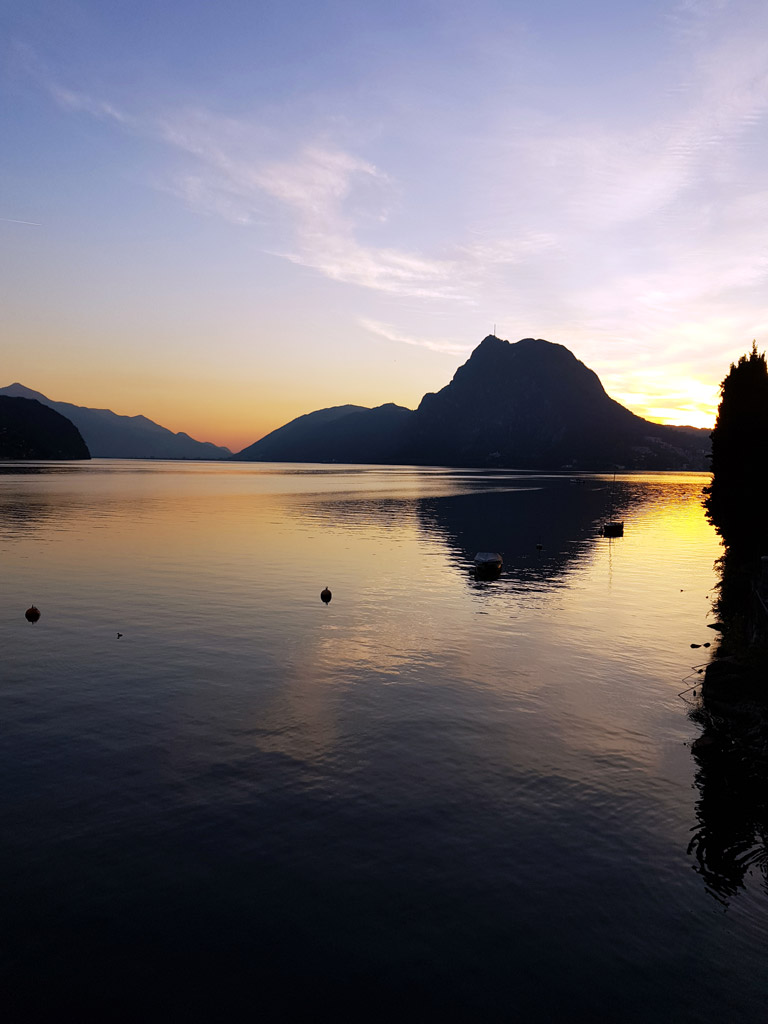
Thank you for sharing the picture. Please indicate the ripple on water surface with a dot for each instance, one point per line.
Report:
(452, 796)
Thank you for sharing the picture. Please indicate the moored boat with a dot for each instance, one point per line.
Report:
(488, 563)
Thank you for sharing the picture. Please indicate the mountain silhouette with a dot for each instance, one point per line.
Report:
(530, 404)
(110, 436)
(344, 433)
(31, 430)
(534, 404)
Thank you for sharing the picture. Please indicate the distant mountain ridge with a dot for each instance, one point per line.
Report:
(111, 436)
(344, 433)
(31, 430)
(529, 404)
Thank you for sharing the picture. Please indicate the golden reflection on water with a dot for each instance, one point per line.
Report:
(614, 622)
(587, 633)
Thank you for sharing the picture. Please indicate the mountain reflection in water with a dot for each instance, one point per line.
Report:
(539, 525)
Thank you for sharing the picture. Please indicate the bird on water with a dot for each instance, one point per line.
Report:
(325, 595)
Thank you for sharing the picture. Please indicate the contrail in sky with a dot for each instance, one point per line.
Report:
(30, 223)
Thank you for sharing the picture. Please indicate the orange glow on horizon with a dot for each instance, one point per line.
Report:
(702, 418)
(674, 399)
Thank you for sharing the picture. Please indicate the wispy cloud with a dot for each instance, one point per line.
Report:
(76, 101)
(553, 189)
(392, 334)
(619, 227)
(328, 192)
(320, 185)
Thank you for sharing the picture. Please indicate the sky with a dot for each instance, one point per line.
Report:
(222, 216)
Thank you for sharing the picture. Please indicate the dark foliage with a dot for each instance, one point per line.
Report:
(730, 842)
(737, 501)
(737, 506)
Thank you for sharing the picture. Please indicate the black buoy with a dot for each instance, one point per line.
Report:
(32, 614)
(326, 595)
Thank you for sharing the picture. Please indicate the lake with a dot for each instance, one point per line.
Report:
(434, 798)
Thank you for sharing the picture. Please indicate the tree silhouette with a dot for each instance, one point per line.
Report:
(737, 502)
(730, 841)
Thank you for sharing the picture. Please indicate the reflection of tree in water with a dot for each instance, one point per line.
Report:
(730, 841)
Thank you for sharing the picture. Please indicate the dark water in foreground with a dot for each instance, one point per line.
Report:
(433, 799)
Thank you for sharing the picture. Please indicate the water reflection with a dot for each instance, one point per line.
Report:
(248, 762)
(539, 530)
(541, 526)
(39, 468)
(731, 754)
(18, 515)
(730, 840)
(31, 511)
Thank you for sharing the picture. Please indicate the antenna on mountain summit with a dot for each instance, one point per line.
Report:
(494, 330)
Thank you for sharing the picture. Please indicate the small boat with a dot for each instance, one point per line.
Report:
(613, 528)
(488, 564)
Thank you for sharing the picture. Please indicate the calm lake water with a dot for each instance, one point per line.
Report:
(435, 798)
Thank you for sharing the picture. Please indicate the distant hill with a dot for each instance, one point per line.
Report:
(531, 404)
(344, 433)
(110, 436)
(31, 430)
(301, 431)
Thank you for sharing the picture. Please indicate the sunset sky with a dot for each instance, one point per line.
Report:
(222, 215)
